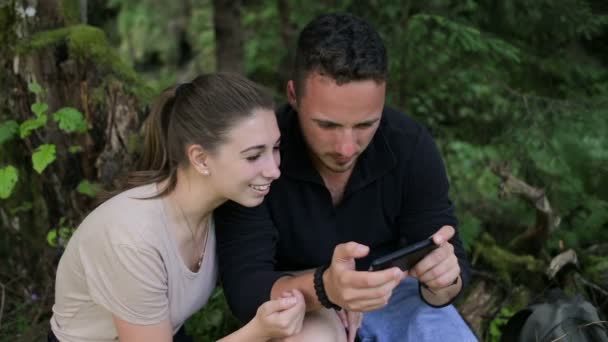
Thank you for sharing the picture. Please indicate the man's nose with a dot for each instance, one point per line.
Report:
(347, 146)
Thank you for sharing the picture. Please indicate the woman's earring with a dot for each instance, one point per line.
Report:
(205, 172)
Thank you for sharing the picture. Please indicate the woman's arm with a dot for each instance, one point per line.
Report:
(160, 332)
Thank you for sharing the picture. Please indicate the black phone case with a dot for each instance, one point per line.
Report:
(406, 257)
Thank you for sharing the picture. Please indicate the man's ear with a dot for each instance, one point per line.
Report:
(291, 93)
(198, 158)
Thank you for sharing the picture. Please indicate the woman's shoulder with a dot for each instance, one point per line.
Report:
(132, 217)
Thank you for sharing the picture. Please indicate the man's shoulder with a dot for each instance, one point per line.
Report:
(401, 130)
(400, 121)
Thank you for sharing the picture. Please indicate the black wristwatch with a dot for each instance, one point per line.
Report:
(320, 289)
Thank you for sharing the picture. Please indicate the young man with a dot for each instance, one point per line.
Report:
(358, 180)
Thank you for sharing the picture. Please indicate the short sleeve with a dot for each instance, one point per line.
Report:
(128, 280)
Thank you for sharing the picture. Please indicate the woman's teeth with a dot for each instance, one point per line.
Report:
(260, 187)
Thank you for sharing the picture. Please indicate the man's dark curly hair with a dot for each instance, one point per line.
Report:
(341, 46)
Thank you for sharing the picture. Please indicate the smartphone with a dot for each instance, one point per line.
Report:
(406, 257)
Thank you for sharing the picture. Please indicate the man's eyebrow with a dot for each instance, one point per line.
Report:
(326, 122)
(368, 122)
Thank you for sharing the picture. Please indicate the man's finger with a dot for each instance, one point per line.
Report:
(364, 279)
(348, 251)
(436, 257)
(443, 234)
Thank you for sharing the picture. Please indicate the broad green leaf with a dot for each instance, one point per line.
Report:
(39, 108)
(8, 178)
(8, 130)
(34, 88)
(70, 120)
(87, 188)
(27, 126)
(43, 156)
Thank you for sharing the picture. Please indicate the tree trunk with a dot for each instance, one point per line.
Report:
(76, 68)
(228, 36)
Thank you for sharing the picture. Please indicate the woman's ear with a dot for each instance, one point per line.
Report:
(198, 159)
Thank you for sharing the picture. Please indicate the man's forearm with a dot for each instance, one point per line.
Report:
(304, 282)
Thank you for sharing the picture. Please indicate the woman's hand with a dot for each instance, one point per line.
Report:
(281, 317)
(351, 321)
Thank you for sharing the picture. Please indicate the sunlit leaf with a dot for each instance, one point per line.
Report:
(70, 120)
(87, 188)
(26, 127)
(8, 178)
(43, 156)
(39, 108)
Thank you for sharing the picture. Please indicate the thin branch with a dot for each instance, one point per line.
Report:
(591, 285)
(580, 327)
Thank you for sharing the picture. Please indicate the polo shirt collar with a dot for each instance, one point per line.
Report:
(377, 159)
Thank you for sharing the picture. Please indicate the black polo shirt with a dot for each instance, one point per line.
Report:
(397, 195)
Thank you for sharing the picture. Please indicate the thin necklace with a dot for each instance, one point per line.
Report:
(199, 262)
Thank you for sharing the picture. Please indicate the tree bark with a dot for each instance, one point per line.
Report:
(57, 58)
(228, 36)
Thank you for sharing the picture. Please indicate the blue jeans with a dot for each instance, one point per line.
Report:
(408, 318)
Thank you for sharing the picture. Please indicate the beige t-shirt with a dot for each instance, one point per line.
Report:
(123, 260)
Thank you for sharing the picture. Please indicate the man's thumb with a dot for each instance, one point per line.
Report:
(346, 252)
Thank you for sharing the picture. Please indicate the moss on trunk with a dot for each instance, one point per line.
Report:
(87, 43)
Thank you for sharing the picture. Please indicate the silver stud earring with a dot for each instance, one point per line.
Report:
(205, 172)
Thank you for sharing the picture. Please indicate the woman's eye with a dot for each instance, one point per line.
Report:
(253, 158)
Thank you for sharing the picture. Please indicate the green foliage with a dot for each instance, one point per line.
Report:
(8, 178)
(39, 108)
(35, 88)
(214, 320)
(28, 126)
(70, 120)
(498, 322)
(8, 130)
(43, 156)
(87, 188)
(90, 43)
(60, 235)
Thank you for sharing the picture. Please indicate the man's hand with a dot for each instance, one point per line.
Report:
(358, 291)
(440, 270)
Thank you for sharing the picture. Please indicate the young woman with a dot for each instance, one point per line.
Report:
(144, 261)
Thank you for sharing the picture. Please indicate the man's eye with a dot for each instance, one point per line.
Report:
(327, 125)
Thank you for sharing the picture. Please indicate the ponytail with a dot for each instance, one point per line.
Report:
(155, 163)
